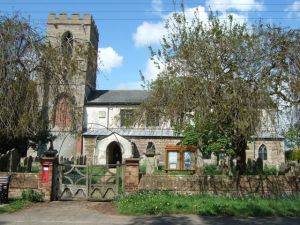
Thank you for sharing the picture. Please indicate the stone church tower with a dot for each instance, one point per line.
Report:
(65, 32)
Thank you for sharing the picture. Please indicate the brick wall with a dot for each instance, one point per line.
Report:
(22, 181)
(131, 175)
(223, 185)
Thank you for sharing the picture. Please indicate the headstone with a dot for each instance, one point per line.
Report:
(29, 164)
(31, 152)
(259, 165)
(214, 159)
(150, 165)
(199, 162)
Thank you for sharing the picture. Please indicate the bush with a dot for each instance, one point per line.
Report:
(33, 196)
(270, 170)
(295, 155)
(143, 169)
(211, 170)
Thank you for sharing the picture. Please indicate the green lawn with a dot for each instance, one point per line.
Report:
(14, 205)
(163, 203)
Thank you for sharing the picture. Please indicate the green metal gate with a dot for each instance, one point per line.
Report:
(90, 182)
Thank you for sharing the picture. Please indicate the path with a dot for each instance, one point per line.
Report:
(87, 213)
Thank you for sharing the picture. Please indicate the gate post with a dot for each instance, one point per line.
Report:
(132, 177)
(48, 177)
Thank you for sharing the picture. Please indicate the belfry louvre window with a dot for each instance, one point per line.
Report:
(67, 43)
(262, 152)
(127, 117)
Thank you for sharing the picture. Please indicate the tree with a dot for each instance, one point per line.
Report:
(30, 69)
(224, 76)
(292, 137)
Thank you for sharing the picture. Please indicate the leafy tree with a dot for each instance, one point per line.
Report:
(224, 76)
(292, 137)
(31, 69)
(190, 136)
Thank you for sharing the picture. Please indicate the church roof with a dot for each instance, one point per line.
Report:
(132, 132)
(267, 135)
(117, 97)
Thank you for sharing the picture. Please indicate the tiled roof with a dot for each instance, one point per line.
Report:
(267, 135)
(132, 132)
(116, 97)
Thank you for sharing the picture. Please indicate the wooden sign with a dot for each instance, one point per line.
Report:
(180, 158)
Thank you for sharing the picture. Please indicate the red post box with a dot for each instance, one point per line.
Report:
(45, 172)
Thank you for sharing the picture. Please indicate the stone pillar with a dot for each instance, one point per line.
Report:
(132, 178)
(47, 177)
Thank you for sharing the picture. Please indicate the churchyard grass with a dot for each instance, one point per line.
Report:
(163, 203)
(28, 196)
(14, 205)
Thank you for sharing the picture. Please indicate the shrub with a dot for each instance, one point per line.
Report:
(270, 170)
(295, 155)
(211, 170)
(142, 169)
(33, 196)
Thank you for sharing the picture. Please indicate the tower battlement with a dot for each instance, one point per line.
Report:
(74, 19)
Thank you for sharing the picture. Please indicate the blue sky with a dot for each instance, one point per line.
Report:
(128, 27)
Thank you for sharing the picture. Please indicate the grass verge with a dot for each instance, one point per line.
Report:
(164, 203)
(14, 205)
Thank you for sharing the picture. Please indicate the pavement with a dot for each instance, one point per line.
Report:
(63, 213)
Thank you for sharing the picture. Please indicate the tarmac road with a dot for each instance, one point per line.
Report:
(105, 214)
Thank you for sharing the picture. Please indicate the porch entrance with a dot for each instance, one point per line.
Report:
(113, 153)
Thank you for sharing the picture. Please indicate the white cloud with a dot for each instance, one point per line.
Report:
(190, 14)
(151, 71)
(199, 10)
(149, 33)
(238, 18)
(293, 10)
(224, 5)
(108, 59)
(157, 6)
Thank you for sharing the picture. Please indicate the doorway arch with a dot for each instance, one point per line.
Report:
(113, 153)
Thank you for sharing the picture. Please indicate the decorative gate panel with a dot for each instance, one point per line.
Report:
(104, 182)
(73, 182)
(94, 183)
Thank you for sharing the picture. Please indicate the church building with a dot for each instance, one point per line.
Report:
(105, 135)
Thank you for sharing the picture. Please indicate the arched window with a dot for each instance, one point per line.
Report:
(63, 113)
(262, 152)
(67, 43)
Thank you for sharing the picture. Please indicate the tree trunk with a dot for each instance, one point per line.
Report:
(240, 146)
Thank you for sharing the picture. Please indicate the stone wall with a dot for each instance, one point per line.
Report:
(223, 185)
(275, 151)
(89, 145)
(159, 143)
(22, 181)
